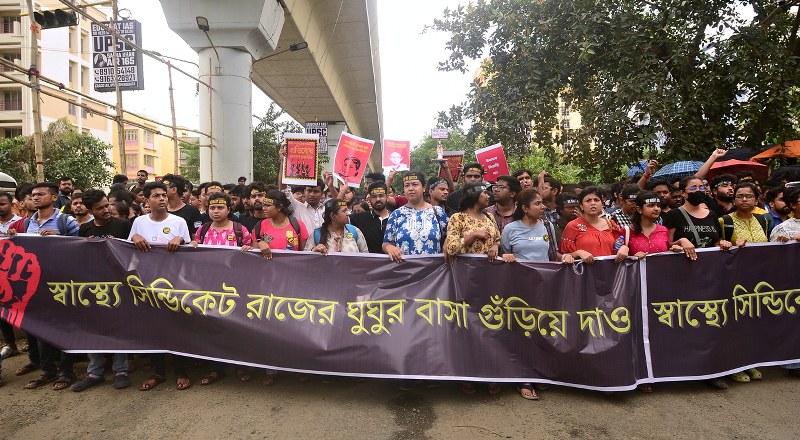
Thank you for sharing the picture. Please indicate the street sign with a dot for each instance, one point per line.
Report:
(129, 60)
(440, 133)
(320, 128)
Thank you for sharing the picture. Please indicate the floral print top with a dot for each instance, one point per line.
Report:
(416, 231)
(461, 225)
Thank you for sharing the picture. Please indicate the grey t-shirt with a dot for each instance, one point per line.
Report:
(526, 242)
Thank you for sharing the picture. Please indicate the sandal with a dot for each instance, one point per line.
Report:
(268, 380)
(63, 381)
(244, 375)
(151, 382)
(466, 388)
(527, 392)
(494, 388)
(25, 369)
(211, 378)
(645, 388)
(36, 383)
(183, 382)
(740, 377)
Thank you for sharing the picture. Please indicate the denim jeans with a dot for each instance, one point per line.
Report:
(97, 363)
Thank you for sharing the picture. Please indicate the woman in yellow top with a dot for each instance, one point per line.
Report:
(471, 230)
(741, 227)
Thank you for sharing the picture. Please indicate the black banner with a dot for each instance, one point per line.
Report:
(365, 316)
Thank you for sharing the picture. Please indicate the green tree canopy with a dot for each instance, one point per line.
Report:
(267, 138)
(670, 79)
(66, 153)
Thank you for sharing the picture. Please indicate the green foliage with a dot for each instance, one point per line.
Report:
(537, 160)
(66, 153)
(267, 138)
(191, 168)
(669, 80)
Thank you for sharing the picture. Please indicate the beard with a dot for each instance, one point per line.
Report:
(725, 197)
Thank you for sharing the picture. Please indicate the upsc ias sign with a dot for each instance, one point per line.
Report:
(129, 60)
(320, 128)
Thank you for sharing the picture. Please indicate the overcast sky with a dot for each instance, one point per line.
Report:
(413, 90)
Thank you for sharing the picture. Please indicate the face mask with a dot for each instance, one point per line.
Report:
(696, 198)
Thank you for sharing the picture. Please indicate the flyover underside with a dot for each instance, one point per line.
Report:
(337, 78)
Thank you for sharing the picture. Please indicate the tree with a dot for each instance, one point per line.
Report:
(267, 138)
(671, 79)
(66, 153)
(191, 168)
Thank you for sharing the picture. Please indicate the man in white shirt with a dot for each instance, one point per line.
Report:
(158, 227)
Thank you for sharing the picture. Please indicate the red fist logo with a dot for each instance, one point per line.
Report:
(22, 269)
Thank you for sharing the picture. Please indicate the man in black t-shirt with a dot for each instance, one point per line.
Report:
(176, 185)
(103, 225)
(373, 223)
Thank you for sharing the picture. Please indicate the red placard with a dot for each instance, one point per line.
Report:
(455, 160)
(396, 156)
(351, 158)
(493, 159)
(300, 167)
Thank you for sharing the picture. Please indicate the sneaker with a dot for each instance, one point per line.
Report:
(121, 380)
(87, 382)
(718, 383)
(7, 352)
(754, 374)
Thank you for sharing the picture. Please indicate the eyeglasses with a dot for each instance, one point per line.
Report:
(745, 196)
(697, 188)
(499, 187)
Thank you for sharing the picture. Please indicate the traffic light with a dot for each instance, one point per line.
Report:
(55, 19)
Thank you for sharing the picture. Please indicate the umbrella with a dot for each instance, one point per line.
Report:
(738, 153)
(637, 169)
(787, 149)
(733, 166)
(678, 169)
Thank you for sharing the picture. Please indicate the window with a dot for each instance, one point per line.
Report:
(72, 108)
(564, 110)
(8, 24)
(132, 160)
(565, 124)
(71, 74)
(84, 113)
(148, 136)
(86, 131)
(132, 135)
(12, 132)
(566, 146)
(10, 57)
(149, 161)
(85, 78)
(12, 100)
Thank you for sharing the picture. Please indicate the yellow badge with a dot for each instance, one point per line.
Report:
(349, 236)
(231, 237)
(546, 237)
(166, 230)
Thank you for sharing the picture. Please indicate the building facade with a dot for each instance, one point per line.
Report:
(145, 148)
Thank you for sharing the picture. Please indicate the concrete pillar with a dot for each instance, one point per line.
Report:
(225, 113)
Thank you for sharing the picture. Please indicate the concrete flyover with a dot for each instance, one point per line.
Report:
(335, 80)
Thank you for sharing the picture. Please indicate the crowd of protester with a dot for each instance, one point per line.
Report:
(527, 216)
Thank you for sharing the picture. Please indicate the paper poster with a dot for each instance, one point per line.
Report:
(300, 167)
(320, 128)
(493, 159)
(351, 159)
(455, 160)
(396, 156)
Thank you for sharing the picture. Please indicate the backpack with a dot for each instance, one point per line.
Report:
(237, 229)
(551, 251)
(61, 224)
(727, 225)
(350, 228)
(292, 221)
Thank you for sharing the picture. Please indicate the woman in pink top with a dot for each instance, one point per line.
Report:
(221, 231)
(645, 236)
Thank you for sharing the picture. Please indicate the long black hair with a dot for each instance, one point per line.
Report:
(643, 198)
(331, 210)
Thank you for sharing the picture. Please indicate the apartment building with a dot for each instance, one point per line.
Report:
(145, 148)
(64, 56)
